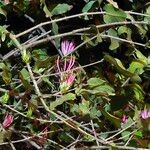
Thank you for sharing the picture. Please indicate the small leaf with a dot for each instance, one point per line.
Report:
(125, 135)
(141, 57)
(105, 89)
(4, 99)
(25, 74)
(114, 43)
(6, 75)
(3, 33)
(84, 107)
(113, 14)
(3, 12)
(39, 54)
(47, 12)
(136, 67)
(61, 9)
(25, 56)
(88, 6)
(147, 19)
(99, 38)
(138, 134)
(92, 82)
(61, 100)
(25, 78)
(124, 29)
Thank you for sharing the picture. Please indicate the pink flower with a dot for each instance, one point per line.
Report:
(124, 119)
(145, 114)
(70, 80)
(67, 47)
(67, 76)
(67, 65)
(7, 121)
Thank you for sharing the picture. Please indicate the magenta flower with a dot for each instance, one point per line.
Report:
(145, 114)
(67, 47)
(65, 66)
(67, 76)
(69, 81)
(124, 119)
(7, 121)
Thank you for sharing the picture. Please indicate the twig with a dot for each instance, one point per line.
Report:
(70, 17)
(94, 133)
(119, 147)
(58, 20)
(12, 145)
(120, 131)
(45, 40)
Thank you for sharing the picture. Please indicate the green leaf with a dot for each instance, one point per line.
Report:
(3, 12)
(55, 29)
(61, 100)
(6, 74)
(88, 6)
(25, 74)
(125, 135)
(3, 33)
(138, 134)
(113, 14)
(29, 113)
(124, 29)
(4, 99)
(92, 82)
(114, 43)
(84, 107)
(2, 65)
(141, 57)
(94, 113)
(104, 89)
(25, 78)
(138, 93)
(136, 67)
(99, 38)
(61, 9)
(47, 12)
(25, 56)
(147, 19)
(39, 54)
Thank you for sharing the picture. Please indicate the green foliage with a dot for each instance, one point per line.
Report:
(113, 14)
(92, 96)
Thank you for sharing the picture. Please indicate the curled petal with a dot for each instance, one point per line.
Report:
(71, 63)
(67, 47)
(58, 62)
(63, 48)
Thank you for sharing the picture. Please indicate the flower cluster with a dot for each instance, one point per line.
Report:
(145, 114)
(124, 119)
(67, 47)
(65, 66)
(8, 120)
(67, 76)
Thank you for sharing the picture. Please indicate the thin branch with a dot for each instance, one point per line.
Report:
(70, 17)
(58, 20)
(45, 40)
(120, 131)
(95, 134)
